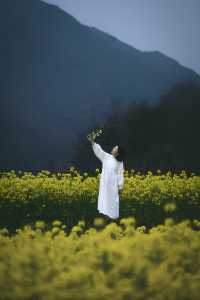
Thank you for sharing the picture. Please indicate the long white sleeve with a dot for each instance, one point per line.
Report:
(98, 151)
(120, 175)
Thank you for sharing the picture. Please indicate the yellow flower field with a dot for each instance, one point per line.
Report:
(70, 197)
(102, 262)
(55, 245)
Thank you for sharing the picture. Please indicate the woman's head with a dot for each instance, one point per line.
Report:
(118, 152)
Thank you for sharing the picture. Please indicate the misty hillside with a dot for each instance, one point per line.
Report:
(58, 77)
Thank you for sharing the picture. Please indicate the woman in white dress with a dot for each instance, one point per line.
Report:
(111, 179)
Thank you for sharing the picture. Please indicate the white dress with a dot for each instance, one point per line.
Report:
(111, 179)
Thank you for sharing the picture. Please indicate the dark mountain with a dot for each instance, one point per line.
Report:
(164, 136)
(58, 77)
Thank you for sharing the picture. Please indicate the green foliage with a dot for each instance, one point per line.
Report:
(117, 262)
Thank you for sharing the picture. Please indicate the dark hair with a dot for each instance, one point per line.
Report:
(121, 153)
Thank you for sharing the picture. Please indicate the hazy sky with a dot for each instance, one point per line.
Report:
(170, 26)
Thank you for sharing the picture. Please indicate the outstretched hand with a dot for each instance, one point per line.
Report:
(90, 139)
(91, 136)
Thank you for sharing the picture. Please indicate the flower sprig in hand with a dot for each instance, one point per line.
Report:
(92, 136)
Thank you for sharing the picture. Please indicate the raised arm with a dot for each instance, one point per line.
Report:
(98, 151)
(120, 175)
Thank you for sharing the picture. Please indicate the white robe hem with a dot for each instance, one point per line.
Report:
(107, 214)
